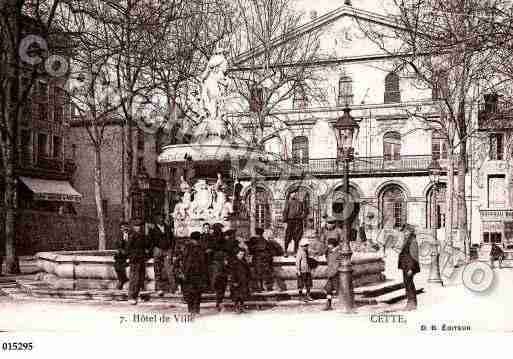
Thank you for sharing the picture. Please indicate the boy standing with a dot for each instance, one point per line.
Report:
(304, 273)
(333, 257)
(241, 276)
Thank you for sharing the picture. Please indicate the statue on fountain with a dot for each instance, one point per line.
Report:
(213, 81)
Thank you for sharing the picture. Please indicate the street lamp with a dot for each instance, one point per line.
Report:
(434, 273)
(345, 129)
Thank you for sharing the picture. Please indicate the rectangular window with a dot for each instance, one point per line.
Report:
(57, 147)
(43, 112)
(26, 147)
(398, 211)
(42, 145)
(496, 146)
(496, 191)
(140, 140)
(256, 99)
(140, 165)
(496, 237)
(486, 237)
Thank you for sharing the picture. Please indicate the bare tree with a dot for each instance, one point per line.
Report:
(267, 33)
(94, 103)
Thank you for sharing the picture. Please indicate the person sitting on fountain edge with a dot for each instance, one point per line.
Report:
(137, 248)
(121, 255)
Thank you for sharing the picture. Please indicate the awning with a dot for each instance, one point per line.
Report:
(51, 190)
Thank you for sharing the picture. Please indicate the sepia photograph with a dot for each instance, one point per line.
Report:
(183, 168)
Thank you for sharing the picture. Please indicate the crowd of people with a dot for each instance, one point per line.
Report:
(212, 260)
(215, 259)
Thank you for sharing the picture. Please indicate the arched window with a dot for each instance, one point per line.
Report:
(300, 149)
(345, 90)
(439, 145)
(436, 208)
(392, 90)
(262, 208)
(392, 146)
(393, 206)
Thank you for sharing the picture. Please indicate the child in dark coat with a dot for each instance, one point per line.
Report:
(333, 258)
(241, 277)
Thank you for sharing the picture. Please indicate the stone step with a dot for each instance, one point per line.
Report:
(377, 290)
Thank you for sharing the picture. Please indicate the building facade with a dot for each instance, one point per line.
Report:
(394, 146)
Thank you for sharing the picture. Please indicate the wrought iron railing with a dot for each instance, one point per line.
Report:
(330, 166)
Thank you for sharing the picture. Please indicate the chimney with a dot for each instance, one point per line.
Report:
(313, 15)
(348, 3)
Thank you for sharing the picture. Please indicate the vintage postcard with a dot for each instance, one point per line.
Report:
(190, 167)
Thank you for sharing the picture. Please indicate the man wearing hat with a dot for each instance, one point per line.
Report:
(162, 251)
(260, 251)
(137, 249)
(121, 255)
(294, 214)
(408, 262)
(304, 272)
(194, 272)
(331, 231)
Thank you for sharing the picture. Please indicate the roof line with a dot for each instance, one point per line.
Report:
(316, 23)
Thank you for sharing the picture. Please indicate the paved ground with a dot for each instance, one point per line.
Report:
(451, 305)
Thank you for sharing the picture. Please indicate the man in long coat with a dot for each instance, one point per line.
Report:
(294, 214)
(138, 250)
(162, 250)
(121, 256)
(195, 272)
(408, 262)
(261, 252)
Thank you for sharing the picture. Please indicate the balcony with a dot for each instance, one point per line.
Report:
(495, 118)
(330, 167)
(496, 215)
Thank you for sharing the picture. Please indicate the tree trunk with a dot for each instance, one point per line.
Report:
(98, 197)
(450, 205)
(127, 173)
(462, 204)
(11, 260)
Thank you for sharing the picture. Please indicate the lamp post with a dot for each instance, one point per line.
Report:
(345, 129)
(434, 271)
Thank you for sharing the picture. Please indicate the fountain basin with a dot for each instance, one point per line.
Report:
(95, 270)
